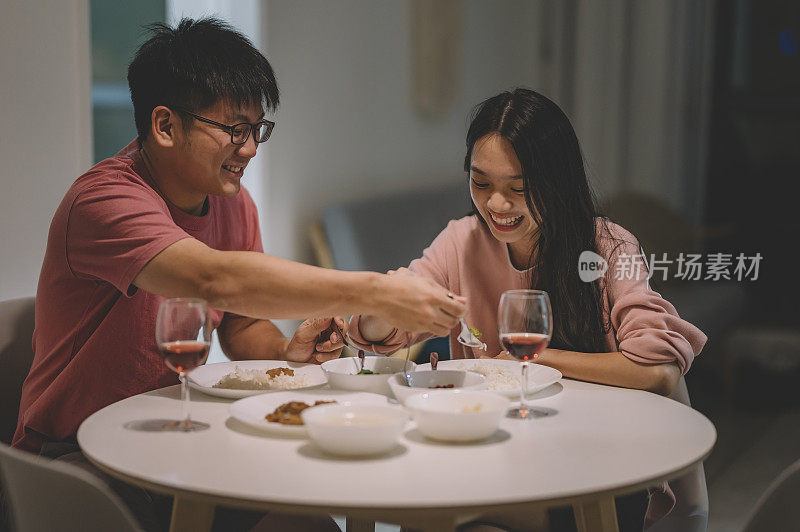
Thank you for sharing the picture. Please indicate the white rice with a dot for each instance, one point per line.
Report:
(257, 379)
(497, 378)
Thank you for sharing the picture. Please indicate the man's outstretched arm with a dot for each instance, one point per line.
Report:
(263, 286)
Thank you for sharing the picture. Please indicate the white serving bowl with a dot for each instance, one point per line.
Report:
(355, 429)
(342, 373)
(425, 381)
(457, 415)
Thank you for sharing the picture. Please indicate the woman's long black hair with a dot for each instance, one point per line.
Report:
(559, 198)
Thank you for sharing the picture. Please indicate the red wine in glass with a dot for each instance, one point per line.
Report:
(183, 336)
(524, 326)
(183, 355)
(524, 346)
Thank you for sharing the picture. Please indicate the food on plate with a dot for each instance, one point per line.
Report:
(443, 386)
(497, 377)
(260, 379)
(471, 409)
(367, 372)
(289, 413)
(275, 372)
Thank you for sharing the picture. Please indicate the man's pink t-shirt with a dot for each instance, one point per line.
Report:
(94, 340)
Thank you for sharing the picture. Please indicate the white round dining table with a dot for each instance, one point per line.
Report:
(599, 442)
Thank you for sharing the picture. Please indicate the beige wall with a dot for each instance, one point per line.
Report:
(45, 104)
(346, 127)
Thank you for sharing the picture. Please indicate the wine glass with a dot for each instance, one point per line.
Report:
(525, 325)
(183, 335)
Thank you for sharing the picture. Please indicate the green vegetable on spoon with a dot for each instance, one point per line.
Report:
(475, 332)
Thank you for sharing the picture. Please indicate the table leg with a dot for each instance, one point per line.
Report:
(359, 525)
(596, 516)
(191, 516)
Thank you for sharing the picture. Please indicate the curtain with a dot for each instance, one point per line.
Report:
(634, 76)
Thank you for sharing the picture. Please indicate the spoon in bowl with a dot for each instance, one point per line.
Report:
(407, 374)
(361, 358)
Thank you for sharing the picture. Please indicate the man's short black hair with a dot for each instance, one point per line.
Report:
(195, 65)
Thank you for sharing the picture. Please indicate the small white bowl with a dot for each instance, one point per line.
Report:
(342, 373)
(457, 415)
(425, 381)
(355, 429)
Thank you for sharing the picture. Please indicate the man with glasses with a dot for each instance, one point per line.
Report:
(167, 217)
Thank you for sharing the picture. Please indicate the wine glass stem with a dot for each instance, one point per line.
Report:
(523, 406)
(185, 399)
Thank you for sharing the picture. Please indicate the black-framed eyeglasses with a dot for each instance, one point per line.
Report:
(240, 132)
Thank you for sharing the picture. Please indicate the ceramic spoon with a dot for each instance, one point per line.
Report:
(465, 337)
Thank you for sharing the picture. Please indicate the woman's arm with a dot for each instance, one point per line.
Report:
(613, 368)
(375, 334)
(646, 328)
(374, 329)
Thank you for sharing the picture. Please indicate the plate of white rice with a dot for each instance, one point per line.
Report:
(503, 376)
(243, 378)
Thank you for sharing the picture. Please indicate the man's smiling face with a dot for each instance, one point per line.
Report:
(209, 162)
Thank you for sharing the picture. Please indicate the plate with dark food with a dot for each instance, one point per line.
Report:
(279, 412)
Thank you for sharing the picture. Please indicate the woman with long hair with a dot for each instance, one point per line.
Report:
(534, 216)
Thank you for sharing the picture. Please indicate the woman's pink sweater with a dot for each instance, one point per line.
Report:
(467, 260)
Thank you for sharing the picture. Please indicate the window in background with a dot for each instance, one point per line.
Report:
(117, 30)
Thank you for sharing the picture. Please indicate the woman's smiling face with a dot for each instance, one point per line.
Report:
(497, 191)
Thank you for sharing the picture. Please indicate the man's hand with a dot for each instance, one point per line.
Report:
(416, 304)
(314, 342)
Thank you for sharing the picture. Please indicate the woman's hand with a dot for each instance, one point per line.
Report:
(547, 354)
(502, 355)
(374, 329)
(315, 341)
(400, 272)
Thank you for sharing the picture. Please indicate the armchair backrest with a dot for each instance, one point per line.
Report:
(16, 355)
(45, 494)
